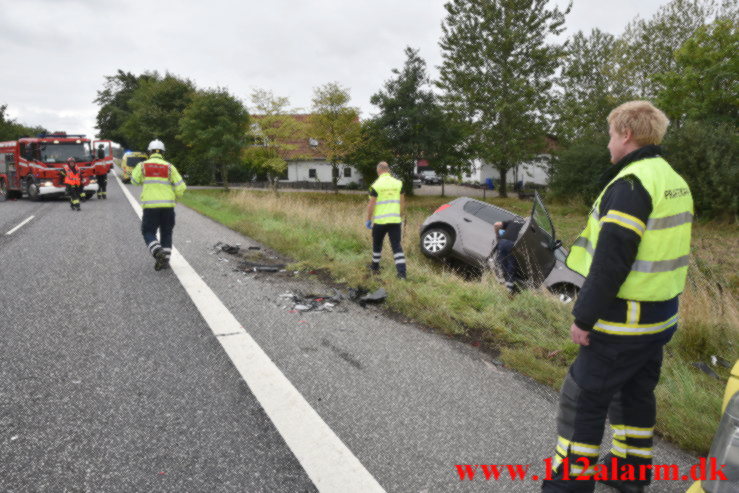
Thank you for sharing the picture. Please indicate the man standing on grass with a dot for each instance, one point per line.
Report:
(634, 254)
(163, 186)
(384, 216)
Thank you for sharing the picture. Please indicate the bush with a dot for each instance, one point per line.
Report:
(705, 154)
(577, 170)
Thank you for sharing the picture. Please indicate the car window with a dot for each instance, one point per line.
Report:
(471, 207)
(540, 216)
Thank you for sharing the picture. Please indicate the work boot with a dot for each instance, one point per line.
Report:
(161, 260)
(623, 486)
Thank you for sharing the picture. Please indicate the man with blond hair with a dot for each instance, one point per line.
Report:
(634, 255)
(384, 217)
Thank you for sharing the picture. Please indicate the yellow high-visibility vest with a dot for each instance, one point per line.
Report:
(661, 266)
(387, 207)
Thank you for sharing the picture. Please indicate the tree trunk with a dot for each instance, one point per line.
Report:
(335, 176)
(443, 183)
(502, 190)
(224, 176)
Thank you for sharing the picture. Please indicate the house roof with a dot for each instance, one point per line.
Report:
(303, 151)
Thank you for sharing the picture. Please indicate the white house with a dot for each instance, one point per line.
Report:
(306, 163)
(535, 172)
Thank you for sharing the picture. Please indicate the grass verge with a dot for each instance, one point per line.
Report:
(326, 231)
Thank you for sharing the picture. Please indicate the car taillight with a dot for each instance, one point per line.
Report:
(442, 208)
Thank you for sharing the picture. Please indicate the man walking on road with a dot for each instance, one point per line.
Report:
(634, 254)
(163, 186)
(384, 216)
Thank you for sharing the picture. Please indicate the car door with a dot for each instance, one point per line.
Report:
(534, 248)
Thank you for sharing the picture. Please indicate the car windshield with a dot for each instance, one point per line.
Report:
(59, 153)
(131, 162)
(540, 216)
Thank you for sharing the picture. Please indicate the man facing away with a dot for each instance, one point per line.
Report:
(384, 217)
(634, 255)
(163, 186)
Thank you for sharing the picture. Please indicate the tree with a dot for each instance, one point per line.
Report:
(647, 47)
(157, 105)
(497, 72)
(447, 151)
(274, 135)
(407, 114)
(704, 85)
(213, 128)
(335, 125)
(114, 100)
(586, 93)
(371, 150)
(12, 130)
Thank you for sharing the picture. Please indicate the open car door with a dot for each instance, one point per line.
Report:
(535, 245)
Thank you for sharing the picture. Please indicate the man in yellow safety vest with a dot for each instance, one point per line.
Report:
(634, 254)
(384, 217)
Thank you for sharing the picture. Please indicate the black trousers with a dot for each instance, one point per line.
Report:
(161, 219)
(102, 185)
(378, 236)
(506, 260)
(74, 192)
(607, 379)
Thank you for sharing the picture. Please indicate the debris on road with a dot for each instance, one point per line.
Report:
(375, 297)
(225, 247)
(310, 302)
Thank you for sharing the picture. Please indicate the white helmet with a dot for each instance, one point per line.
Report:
(156, 145)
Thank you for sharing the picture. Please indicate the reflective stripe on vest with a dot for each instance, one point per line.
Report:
(387, 207)
(661, 265)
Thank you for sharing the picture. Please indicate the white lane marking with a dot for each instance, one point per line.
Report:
(325, 458)
(19, 226)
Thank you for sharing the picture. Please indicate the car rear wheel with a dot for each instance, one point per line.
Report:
(436, 242)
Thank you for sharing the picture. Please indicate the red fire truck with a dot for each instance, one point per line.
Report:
(32, 165)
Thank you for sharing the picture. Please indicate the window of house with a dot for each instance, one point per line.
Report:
(312, 173)
(347, 172)
(312, 142)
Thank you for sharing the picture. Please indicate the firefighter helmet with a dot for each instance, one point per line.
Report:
(156, 145)
(71, 160)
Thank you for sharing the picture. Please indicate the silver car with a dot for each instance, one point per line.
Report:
(463, 229)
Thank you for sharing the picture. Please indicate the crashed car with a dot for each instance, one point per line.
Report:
(463, 229)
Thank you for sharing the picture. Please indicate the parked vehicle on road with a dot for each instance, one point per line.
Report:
(430, 178)
(32, 166)
(129, 162)
(463, 229)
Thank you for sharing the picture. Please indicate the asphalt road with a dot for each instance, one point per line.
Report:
(111, 379)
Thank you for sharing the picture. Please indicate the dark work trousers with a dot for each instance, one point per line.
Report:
(378, 236)
(610, 378)
(506, 260)
(102, 186)
(162, 219)
(74, 192)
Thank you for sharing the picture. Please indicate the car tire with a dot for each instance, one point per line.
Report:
(565, 291)
(437, 242)
(32, 190)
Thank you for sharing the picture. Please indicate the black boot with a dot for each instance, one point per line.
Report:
(161, 260)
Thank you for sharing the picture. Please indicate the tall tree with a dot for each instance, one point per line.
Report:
(274, 135)
(497, 72)
(585, 92)
(407, 112)
(647, 46)
(335, 125)
(371, 150)
(114, 101)
(704, 84)
(157, 106)
(213, 128)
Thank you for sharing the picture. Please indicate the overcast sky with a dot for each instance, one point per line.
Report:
(55, 53)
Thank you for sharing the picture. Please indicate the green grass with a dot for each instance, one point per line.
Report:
(531, 331)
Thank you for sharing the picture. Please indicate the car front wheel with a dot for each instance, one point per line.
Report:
(436, 242)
